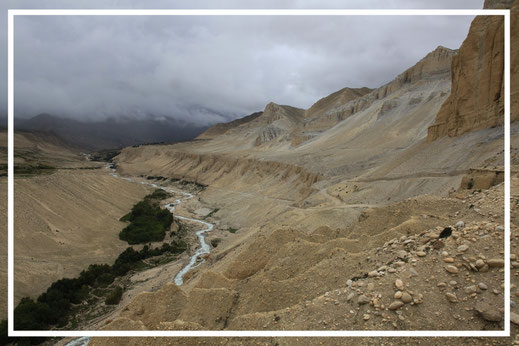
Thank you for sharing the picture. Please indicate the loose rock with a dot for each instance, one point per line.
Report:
(399, 284)
(496, 262)
(459, 225)
(397, 304)
(451, 269)
(463, 248)
(363, 300)
(451, 297)
(406, 298)
(401, 254)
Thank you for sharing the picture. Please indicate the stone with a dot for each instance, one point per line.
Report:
(496, 262)
(451, 269)
(366, 317)
(350, 296)
(490, 314)
(406, 298)
(470, 289)
(397, 304)
(401, 254)
(349, 283)
(420, 254)
(451, 297)
(448, 260)
(362, 299)
(514, 318)
(482, 286)
(459, 225)
(413, 272)
(398, 295)
(399, 284)
(372, 273)
(480, 263)
(462, 248)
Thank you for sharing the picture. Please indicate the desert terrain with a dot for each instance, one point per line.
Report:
(340, 208)
(374, 209)
(66, 216)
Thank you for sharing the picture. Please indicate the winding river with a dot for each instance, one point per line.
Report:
(208, 227)
(202, 250)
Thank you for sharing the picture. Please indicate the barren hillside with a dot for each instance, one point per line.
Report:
(66, 213)
(348, 217)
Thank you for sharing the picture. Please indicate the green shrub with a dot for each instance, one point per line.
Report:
(148, 222)
(231, 230)
(114, 297)
(178, 246)
(158, 194)
(105, 279)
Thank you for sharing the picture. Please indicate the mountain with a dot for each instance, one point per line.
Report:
(333, 217)
(340, 105)
(112, 133)
(477, 98)
(221, 128)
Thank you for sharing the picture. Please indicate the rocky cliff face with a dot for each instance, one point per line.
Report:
(334, 100)
(331, 110)
(477, 93)
(221, 128)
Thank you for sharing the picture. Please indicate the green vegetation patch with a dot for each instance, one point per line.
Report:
(232, 230)
(114, 297)
(148, 221)
(33, 169)
(54, 307)
(105, 155)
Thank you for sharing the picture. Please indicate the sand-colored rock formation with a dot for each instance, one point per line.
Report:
(340, 105)
(268, 178)
(221, 128)
(477, 93)
(291, 279)
(65, 219)
(335, 99)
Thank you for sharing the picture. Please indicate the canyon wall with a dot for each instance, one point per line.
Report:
(477, 92)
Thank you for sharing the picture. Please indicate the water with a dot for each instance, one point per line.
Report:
(204, 247)
(208, 227)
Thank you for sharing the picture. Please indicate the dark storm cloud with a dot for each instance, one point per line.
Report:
(207, 68)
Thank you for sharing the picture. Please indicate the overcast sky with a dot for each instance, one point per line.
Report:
(210, 69)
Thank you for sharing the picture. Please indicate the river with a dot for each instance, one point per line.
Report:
(193, 260)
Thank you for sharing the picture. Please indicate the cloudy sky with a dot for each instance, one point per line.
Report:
(212, 68)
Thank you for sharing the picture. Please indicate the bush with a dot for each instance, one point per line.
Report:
(105, 279)
(178, 246)
(31, 315)
(114, 297)
(158, 194)
(148, 222)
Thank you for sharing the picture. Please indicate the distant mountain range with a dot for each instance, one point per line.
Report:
(112, 133)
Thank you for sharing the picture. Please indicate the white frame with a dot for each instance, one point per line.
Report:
(247, 333)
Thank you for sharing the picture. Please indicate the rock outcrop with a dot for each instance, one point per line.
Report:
(221, 128)
(477, 93)
(277, 121)
(338, 106)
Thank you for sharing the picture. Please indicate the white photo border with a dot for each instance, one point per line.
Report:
(12, 13)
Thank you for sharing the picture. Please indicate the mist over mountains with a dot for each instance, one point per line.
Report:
(112, 132)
